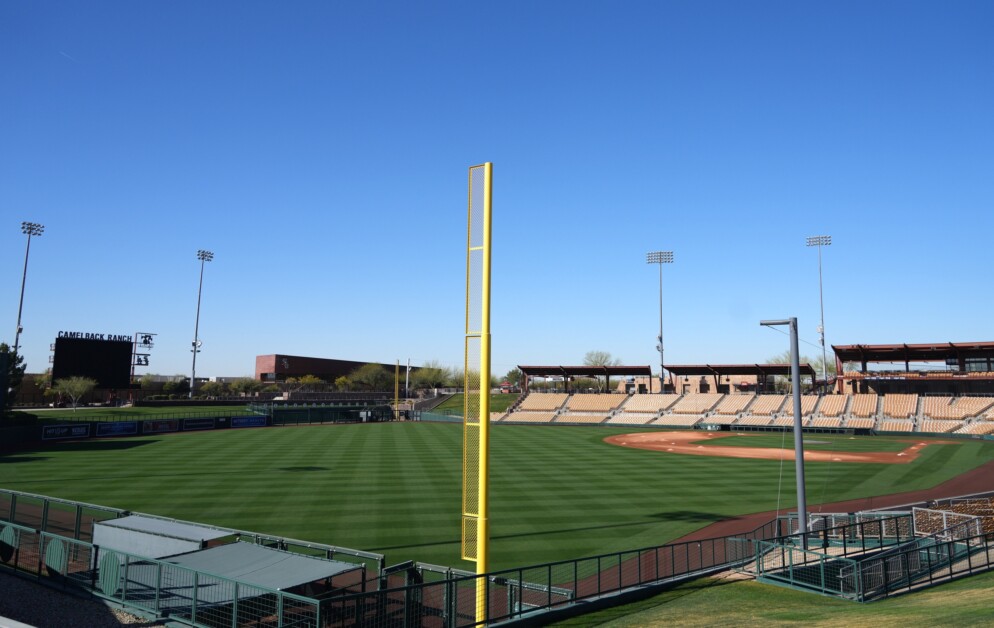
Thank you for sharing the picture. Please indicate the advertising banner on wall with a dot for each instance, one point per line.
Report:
(117, 428)
(160, 426)
(53, 432)
(248, 421)
(198, 424)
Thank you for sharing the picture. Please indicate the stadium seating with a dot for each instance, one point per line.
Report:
(808, 403)
(677, 420)
(542, 401)
(631, 418)
(570, 417)
(896, 426)
(649, 403)
(529, 417)
(825, 422)
(733, 404)
(936, 407)
(860, 424)
(900, 406)
(696, 404)
(583, 402)
(754, 420)
(784, 421)
(766, 405)
(864, 405)
(978, 428)
(940, 427)
(721, 419)
(833, 405)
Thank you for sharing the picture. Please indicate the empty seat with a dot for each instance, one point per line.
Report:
(696, 404)
(650, 403)
(767, 404)
(585, 402)
(900, 406)
(542, 401)
(833, 405)
(863, 405)
(733, 404)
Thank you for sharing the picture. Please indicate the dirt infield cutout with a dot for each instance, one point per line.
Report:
(691, 443)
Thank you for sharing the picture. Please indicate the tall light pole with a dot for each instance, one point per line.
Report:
(660, 257)
(795, 383)
(203, 256)
(820, 241)
(29, 229)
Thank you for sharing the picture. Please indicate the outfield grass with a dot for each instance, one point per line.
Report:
(499, 402)
(557, 491)
(714, 602)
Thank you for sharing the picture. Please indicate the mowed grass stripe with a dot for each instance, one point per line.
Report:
(556, 492)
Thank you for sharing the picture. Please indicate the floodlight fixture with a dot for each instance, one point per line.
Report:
(660, 257)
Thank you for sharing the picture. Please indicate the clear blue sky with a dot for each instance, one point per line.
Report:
(320, 149)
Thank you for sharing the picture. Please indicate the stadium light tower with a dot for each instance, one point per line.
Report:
(795, 383)
(660, 257)
(29, 229)
(820, 241)
(203, 256)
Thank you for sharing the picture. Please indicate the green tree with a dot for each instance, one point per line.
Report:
(305, 382)
(212, 389)
(514, 377)
(431, 375)
(372, 377)
(12, 376)
(600, 358)
(343, 384)
(245, 386)
(75, 388)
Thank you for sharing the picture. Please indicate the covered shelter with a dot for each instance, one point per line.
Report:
(761, 373)
(218, 580)
(569, 372)
(959, 368)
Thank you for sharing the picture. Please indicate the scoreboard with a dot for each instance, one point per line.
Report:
(105, 360)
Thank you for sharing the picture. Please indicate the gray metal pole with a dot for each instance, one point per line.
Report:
(196, 331)
(795, 381)
(821, 300)
(662, 376)
(20, 306)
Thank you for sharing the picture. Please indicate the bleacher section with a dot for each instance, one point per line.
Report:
(900, 406)
(888, 413)
(582, 402)
(941, 427)
(860, 424)
(631, 418)
(650, 403)
(529, 417)
(766, 405)
(896, 426)
(962, 408)
(677, 420)
(733, 404)
(863, 405)
(587, 419)
(833, 405)
(697, 404)
(543, 401)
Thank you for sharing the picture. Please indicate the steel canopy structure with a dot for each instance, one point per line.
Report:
(760, 371)
(566, 372)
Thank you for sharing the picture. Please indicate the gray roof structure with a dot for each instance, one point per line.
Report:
(166, 527)
(261, 566)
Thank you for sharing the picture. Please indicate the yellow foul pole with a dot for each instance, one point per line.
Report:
(476, 408)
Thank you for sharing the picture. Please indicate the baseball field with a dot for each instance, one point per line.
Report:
(556, 491)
